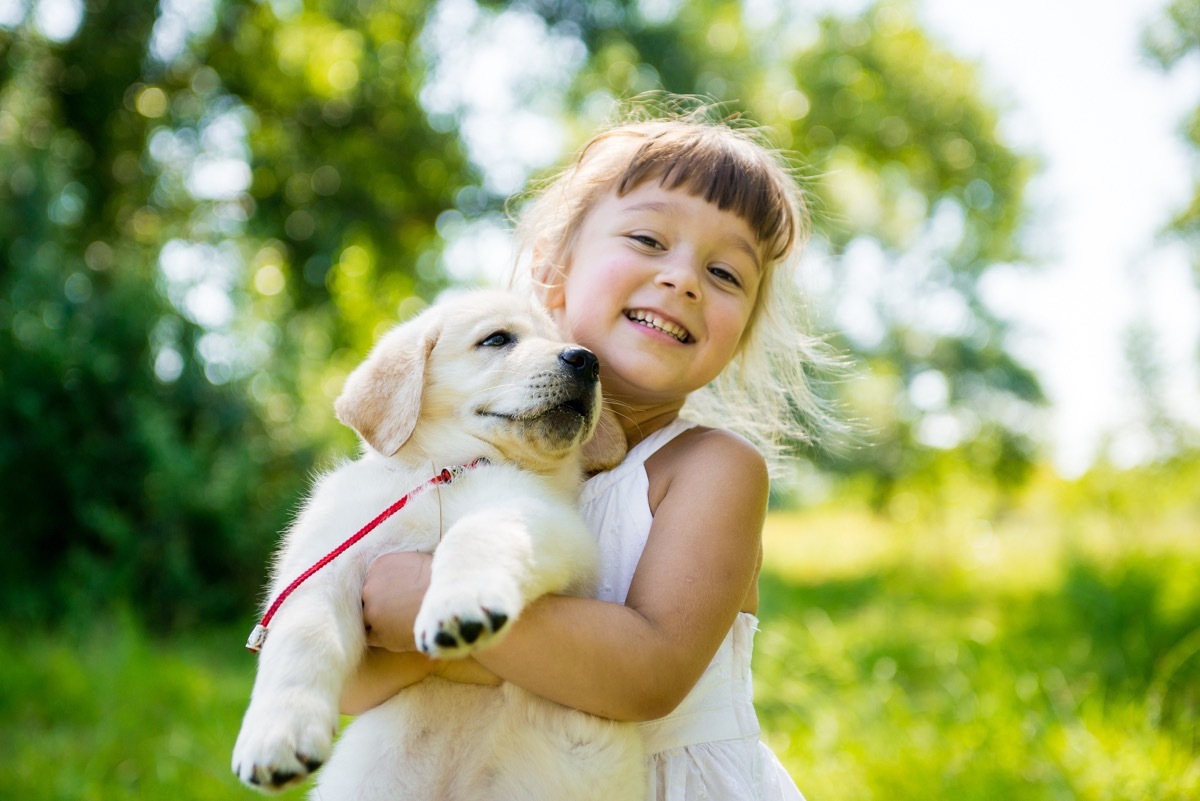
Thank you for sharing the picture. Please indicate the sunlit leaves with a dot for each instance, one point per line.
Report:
(119, 398)
(1171, 39)
(324, 55)
(286, 179)
(908, 109)
(1176, 33)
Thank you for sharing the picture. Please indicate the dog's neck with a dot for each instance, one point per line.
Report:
(563, 471)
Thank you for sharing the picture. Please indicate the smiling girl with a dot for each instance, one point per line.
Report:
(666, 248)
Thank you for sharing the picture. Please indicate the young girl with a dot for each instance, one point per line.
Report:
(666, 249)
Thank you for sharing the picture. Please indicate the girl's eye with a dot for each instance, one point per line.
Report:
(724, 275)
(648, 241)
(496, 339)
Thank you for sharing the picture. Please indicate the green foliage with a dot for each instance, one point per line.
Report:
(114, 483)
(125, 471)
(908, 177)
(1173, 39)
(170, 345)
(905, 136)
(917, 179)
(349, 177)
(1170, 40)
(935, 650)
(1176, 33)
(206, 229)
(962, 625)
(1049, 652)
(105, 713)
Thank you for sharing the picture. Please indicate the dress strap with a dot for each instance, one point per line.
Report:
(655, 440)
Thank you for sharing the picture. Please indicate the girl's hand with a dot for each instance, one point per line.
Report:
(391, 596)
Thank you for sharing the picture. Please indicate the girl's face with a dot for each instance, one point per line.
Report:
(660, 285)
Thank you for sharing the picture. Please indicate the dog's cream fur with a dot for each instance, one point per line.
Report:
(482, 375)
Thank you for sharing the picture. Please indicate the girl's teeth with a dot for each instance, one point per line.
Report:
(653, 321)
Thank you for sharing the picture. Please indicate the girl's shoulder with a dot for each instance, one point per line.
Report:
(706, 461)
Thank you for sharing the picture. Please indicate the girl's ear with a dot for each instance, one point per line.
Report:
(548, 280)
(551, 294)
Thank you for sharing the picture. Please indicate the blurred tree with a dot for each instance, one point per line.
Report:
(922, 197)
(125, 472)
(915, 192)
(212, 208)
(348, 176)
(1171, 39)
(328, 190)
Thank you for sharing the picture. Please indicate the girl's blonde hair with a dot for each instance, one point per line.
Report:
(765, 393)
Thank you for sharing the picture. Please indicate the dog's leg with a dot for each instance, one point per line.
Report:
(491, 563)
(315, 641)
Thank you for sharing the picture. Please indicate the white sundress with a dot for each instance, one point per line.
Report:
(709, 746)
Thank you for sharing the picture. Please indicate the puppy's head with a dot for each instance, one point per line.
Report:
(481, 374)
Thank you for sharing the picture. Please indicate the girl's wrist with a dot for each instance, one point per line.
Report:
(398, 640)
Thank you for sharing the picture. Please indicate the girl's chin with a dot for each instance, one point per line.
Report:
(640, 394)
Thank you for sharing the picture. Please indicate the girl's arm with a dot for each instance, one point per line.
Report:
(636, 661)
(383, 673)
(699, 566)
(380, 675)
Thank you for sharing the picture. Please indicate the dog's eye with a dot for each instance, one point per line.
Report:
(497, 339)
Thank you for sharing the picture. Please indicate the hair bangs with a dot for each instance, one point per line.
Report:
(731, 174)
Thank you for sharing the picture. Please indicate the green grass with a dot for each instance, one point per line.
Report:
(957, 646)
(1047, 651)
(104, 713)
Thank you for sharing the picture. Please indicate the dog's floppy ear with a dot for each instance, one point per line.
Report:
(382, 397)
(606, 447)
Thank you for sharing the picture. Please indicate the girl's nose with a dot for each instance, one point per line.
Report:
(679, 275)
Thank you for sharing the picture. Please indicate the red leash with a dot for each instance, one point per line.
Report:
(259, 635)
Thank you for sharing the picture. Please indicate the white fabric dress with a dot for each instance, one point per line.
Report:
(709, 747)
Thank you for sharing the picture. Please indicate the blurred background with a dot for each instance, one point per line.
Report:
(209, 209)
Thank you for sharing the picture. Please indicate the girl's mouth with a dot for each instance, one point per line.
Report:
(652, 320)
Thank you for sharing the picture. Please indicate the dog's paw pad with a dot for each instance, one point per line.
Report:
(279, 747)
(457, 635)
(274, 779)
(470, 630)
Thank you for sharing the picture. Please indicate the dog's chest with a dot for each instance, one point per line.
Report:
(401, 511)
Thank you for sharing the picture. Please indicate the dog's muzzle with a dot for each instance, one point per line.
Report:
(582, 363)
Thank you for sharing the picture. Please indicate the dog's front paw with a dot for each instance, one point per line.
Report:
(282, 741)
(453, 623)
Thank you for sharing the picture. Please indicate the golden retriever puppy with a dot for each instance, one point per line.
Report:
(483, 376)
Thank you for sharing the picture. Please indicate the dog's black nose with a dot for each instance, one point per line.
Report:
(582, 362)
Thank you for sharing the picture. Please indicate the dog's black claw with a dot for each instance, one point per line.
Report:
(310, 764)
(470, 630)
(445, 639)
(281, 777)
(497, 619)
